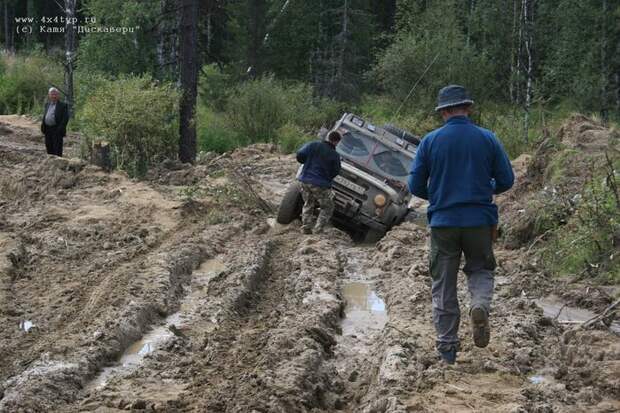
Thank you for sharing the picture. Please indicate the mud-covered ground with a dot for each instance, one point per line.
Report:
(124, 295)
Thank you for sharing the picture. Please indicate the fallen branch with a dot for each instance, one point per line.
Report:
(540, 237)
(601, 316)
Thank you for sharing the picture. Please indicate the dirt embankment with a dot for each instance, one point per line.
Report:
(181, 294)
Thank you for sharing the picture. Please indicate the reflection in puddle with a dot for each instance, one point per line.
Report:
(135, 353)
(364, 311)
(26, 325)
(554, 307)
(540, 379)
(156, 338)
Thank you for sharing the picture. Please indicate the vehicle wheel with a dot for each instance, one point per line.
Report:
(401, 133)
(291, 205)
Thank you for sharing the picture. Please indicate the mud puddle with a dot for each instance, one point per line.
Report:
(365, 317)
(555, 308)
(134, 355)
(365, 310)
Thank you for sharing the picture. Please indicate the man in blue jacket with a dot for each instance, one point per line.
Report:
(458, 168)
(321, 165)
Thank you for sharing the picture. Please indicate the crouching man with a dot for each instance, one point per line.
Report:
(321, 165)
(458, 168)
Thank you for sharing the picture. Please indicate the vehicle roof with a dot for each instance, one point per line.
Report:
(377, 132)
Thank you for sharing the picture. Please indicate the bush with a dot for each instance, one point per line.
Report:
(25, 81)
(404, 62)
(214, 85)
(258, 109)
(588, 244)
(85, 85)
(213, 132)
(291, 138)
(138, 117)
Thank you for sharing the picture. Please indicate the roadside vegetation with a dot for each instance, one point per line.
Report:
(284, 81)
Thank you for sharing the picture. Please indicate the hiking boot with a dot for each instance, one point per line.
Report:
(448, 356)
(481, 331)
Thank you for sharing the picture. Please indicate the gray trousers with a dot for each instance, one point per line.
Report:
(447, 244)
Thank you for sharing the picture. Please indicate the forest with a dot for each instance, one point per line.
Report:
(278, 70)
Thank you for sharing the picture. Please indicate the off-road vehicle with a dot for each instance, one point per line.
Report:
(370, 192)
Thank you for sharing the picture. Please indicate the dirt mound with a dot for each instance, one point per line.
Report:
(549, 183)
(586, 134)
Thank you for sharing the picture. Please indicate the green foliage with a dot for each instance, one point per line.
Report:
(137, 117)
(432, 34)
(116, 53)
(214, 134)
(85, 85)
(291, 138)
(25, 81)
(580, 51)
(258, 109)
(587, 244)
(213, 87)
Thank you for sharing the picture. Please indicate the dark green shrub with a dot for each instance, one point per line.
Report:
(257, 109)
(291, 138)
(137, 116)
(214, 86)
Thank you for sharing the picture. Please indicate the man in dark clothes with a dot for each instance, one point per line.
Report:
(458, 168)
(321, 166)
(54, 123)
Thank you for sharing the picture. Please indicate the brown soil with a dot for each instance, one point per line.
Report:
(250, 312)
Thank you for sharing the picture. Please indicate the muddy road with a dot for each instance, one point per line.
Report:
(124, 295)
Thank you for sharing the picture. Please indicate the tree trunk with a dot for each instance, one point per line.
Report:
(528, 23)
(7, 28)
(189, 79)
(472, 6)
(343, 41)
(604, 74)
(69, 52)
(256, 21)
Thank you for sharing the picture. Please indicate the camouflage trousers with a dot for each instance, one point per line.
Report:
(313, 195)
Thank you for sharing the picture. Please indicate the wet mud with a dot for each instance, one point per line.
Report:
(122, 295)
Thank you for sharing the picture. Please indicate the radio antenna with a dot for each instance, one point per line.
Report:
(414, 86)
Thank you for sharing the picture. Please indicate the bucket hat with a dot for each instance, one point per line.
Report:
(453, 95)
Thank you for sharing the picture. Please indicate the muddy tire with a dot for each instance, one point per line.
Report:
(291, 205)
(401, 133)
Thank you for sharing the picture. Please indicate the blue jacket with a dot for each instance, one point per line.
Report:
(458, 168)
(321, 163)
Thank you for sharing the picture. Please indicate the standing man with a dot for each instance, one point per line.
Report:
(321, 165)
(54, 123)
(458, 168)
